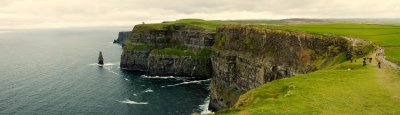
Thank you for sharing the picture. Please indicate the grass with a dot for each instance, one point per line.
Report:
(209, 25)
(128, 46)
(335, 90)
(384, 35)
(181, 50)
(393, 54)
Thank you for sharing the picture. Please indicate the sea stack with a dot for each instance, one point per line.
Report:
(101, 62)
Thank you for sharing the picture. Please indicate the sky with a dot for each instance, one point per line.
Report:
(38, 14)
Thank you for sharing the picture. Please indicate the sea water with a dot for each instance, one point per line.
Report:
(54, 71)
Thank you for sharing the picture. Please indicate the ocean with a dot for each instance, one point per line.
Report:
(54, 71)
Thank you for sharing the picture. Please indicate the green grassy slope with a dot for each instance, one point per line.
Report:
(335, 90)
(385, 35)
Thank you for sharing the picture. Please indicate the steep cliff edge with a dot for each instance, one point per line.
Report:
(169, 49)
(248, 56)
(122, 36)
(242, 57)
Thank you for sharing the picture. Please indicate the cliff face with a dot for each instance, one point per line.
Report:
(242, 57)
(246, 57)
(169, 50)
(122, 36)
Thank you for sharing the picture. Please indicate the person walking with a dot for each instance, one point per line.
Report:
(364, 62)
(379, 64)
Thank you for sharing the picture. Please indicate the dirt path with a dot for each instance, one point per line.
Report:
(388, 75)
(382, 59)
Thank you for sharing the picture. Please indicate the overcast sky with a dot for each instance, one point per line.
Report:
(26, 14)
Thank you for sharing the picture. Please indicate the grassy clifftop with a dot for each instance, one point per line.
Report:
(387, 36)
(347, 88)
(203, 24)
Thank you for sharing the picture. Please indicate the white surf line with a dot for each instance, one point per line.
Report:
(204, 106)
(109, 69)
(126, 79)
(164, 77)
(108, 66)
(127, 101)
(148, 90)
(105, 64)
(157, 77)
(187, 82)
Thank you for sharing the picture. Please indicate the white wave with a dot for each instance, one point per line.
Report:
(134, 94)
(187, 82)
(109, 69)
(94, 64)
(204, 106)
(126, 79)
(165, 77)
(157, 77)
(148, 90)
(127, 101)
(110, 64)
(105, 64)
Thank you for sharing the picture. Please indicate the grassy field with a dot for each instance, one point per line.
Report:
(336, 90)
(385, 35)
(181, 50)
(205, 24)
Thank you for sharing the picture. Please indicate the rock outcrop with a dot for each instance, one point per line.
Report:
(169, 49)
(122, 36)
(248, 56)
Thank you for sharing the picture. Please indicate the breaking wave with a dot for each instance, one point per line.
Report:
(204, 106)
(106, 64)
(157, 77)
(126, 79)
(188, 82)
(148, 90)
(164, 77)
(127, 101)
(109, 69)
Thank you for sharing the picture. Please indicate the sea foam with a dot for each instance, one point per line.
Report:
(127, 101)
(187, 82)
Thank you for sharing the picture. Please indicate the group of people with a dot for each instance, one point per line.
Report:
(379, 52)
(365, 61)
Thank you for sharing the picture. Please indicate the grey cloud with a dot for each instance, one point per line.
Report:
(81, 13)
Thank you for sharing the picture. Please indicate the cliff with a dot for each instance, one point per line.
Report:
(169, 49)
(242, 57)
(248, 56)
(122, 36)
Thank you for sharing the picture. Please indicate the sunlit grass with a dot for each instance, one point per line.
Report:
(384, 35)
(347, 88)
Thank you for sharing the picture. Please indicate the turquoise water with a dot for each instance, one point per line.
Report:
(55, 72)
